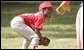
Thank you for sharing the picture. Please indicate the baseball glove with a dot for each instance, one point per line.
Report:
(45, 42)
(63, 8)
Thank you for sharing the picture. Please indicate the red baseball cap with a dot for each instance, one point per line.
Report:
(45, 4)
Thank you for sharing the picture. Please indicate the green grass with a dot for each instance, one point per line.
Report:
(59, 29)
(61, 37)
(62, 43)
(11, 43)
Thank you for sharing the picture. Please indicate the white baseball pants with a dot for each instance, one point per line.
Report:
(25, 31)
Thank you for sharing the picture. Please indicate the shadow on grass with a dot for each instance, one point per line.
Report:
(64, 34)
(10, 36)
(52, 35)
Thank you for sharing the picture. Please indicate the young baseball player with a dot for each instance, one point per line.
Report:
(28, 25)
(79, 27)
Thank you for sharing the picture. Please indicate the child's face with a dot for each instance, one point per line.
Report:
(48, 11)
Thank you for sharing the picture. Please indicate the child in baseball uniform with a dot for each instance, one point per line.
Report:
(28, 25)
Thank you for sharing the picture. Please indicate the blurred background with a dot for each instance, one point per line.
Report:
(60, 28)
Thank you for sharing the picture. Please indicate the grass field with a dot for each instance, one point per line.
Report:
(59, 29)
(61, 36)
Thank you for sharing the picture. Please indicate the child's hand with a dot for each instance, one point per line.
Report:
(44, 41)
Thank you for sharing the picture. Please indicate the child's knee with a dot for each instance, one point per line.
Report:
(35, 41)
